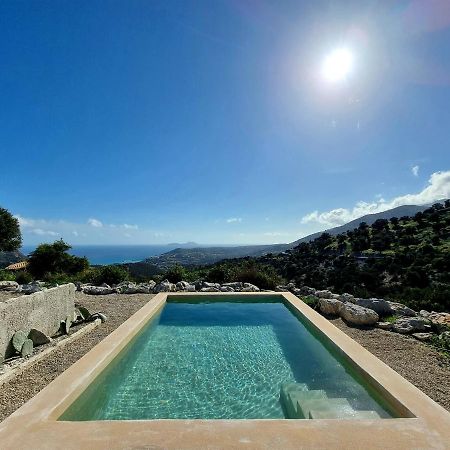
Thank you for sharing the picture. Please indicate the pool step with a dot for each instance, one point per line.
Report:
(301, 403)
(340, 414)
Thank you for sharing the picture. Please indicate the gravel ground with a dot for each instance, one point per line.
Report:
(117, 308)
(417, 362)
(5, 295)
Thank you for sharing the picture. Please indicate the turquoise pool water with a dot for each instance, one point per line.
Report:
(214, 359)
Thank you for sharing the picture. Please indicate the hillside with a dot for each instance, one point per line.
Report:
(405, 259)
(200, 256)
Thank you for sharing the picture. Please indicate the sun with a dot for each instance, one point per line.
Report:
(338, 65)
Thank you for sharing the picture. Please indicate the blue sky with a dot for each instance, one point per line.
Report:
(146, 122)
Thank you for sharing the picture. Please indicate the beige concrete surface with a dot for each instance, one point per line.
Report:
(425, 424)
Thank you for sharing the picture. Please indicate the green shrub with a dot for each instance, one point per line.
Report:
(6, 275)
(23, 277)
(111, 274)
(175, 274)
(311, 300)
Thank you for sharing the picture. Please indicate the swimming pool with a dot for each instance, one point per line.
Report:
(218, 357)
(53, 417)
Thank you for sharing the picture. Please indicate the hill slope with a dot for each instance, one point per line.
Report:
(200, 256)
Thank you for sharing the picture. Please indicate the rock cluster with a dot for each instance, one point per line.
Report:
(151, 287)
(13, 286)
(422, 325)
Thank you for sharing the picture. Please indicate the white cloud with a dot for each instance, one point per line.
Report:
(75, 233)
(95, 223)
(41, 232)
(130, 227)
(415, 171)
(438, 188)
(275, 233)
(234, 220)
(23, 222)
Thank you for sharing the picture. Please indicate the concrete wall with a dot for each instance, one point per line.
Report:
(42, 310)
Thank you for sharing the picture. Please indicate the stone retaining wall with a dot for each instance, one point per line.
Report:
(42, 310)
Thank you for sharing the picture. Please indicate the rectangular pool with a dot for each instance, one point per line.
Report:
(228, 357)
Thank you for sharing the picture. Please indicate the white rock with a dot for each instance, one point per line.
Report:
(31, 288)
(330, 306)
(407, 325)
(98, 290)
(10, 286)
(226, 289)
(347, 298)
(324, 294)
(397, 309)
(164, 286)
(248, 287)
(357, 315)
(380, 306)
(236, 285)
(209, 289)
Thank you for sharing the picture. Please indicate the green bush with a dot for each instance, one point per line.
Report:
(6, 275)
(23, 277)
(264, 277)
(175, 274)
(111, 274)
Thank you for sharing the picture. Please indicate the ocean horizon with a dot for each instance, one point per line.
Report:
(112, 254)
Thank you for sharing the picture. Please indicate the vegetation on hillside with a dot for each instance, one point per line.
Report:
(405, 259)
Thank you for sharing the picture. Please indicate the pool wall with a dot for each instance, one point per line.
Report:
(424, 424)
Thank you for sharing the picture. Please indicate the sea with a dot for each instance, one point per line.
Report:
(112, 254)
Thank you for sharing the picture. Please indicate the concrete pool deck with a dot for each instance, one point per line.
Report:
(35, 425)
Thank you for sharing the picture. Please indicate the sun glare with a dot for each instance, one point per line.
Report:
(337, 65)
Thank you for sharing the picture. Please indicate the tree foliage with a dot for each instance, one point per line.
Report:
(49, 260)
(10, 236)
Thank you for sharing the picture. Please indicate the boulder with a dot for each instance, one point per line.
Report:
(324, 294)
(281, 288)
(185, 286)
(306, 290)
(397, 309)
(38, 337)
(440, 321)
(164, 286)
(387, 326)
(330, 306)
(132, 288)
(209, 289)
(347, 298)
(31, 288)
(358, 315)
(248, 287)
(236, 285)
(98, 290)
(422, 336)
(408, 325)
(10, 286)
(380, 306)
(206, 284)
(226, 289)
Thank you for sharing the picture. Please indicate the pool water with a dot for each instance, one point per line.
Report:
(212, 359)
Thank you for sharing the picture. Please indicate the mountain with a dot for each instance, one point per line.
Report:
(199, 256)
(399, 211)
(7, 258)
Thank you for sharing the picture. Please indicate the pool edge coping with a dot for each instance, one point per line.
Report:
(40, 414)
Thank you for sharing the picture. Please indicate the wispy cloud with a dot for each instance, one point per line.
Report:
(41, 232)
(438, 188)
(234, 220)
(95, 223)
(415, 171)
(130, 227)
